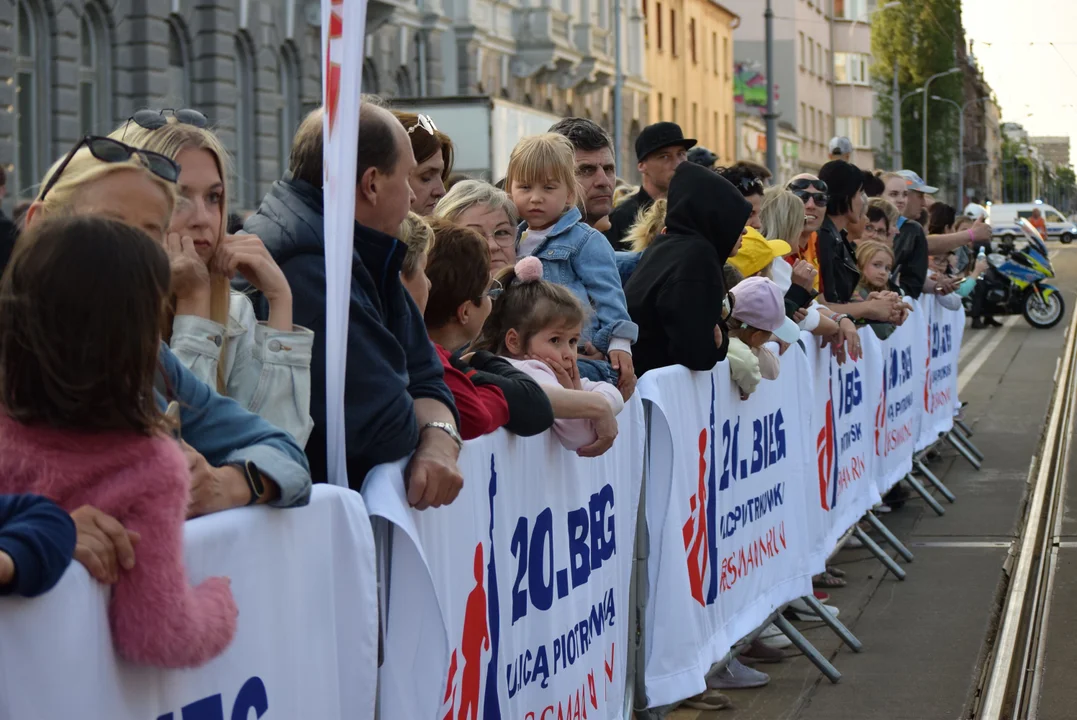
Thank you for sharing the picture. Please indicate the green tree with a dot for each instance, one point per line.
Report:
(921, 37)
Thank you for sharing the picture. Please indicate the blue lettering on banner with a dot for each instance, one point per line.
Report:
(899, 370)
(591, 542)
(850, 391)
(753, 509)
(941, 340)
(567, 648)
(252, 696)
(768, 447)
(898, 407)
(941, 373)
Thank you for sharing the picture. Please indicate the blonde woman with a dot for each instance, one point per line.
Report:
(781, 217)
(489, 211)
(265, 367)
(649, 224)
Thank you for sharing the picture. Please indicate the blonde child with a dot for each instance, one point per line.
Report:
(537, 325)
(758, 314)
(875, 262)
(541, 180)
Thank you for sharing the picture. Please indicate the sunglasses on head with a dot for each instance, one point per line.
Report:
(108, 150)
(156, 119)
(805, 183)
(750, 186)
(424, 122)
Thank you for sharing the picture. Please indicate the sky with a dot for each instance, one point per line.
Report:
(1036, 84)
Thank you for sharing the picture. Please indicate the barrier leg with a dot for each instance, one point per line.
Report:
(833, 623)
(964, 428)
(635, 682)
(808, 649)
(951, 438)
(922, 492)
(934, 480)
(878, 552)
(890, 537)
(959, 430)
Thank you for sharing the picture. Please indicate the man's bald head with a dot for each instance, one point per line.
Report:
(378, 146)
(814, 212)
(803, 176)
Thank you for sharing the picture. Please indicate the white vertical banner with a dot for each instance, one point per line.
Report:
(343, 32)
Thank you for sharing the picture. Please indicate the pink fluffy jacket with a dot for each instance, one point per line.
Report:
(157, 618)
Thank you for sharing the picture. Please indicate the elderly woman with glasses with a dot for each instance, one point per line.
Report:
(487, 210)
(265, 367)
(434, 156)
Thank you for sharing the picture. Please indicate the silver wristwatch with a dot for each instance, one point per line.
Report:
(449, 428)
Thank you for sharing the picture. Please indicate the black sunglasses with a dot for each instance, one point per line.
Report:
(820, 198)
(156, 119)
(108, 150)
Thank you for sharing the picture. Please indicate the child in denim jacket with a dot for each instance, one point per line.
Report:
(541, 180)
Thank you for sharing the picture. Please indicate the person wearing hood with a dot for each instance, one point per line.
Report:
(676, 293)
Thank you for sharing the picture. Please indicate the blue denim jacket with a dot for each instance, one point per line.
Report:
(579, 257)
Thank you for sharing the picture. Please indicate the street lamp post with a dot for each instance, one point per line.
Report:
(960, 148)
(771, 116)
(961, 141)
(618, 86)
(927, 86)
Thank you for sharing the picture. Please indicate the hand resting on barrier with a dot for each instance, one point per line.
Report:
(102, 544)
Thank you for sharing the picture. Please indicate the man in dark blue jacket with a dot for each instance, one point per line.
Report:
(396, 400)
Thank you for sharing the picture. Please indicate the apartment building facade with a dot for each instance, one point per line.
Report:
(1053, 149)
(689, 50)
(253, 67)
(854, 98)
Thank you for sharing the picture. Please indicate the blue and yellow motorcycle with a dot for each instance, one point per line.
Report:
(1015, 281)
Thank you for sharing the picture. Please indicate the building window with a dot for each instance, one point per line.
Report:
(850, 9)
(714, 51)
(288, 114)
(857, 129)
(245, 179)
(658, 20)
(852, 68)
(370, 77)
(695, 120)
(673, 32)
(811, 56)
(803, 119)
(31, 127)
(661, 116)
(673, 109)
(814, 135)
(179, 64)
(95, 73)
(646, 25)
(728, 137)
(725, 57)
(714, 133)
(802, 63)
(692, 39)
(819, 59)
(822, 128)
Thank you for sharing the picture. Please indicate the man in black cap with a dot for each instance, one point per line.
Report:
(660, 148)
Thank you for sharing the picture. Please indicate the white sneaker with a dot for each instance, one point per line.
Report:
(772, 637)
(800, 610)
(853, 542)
(882, 508)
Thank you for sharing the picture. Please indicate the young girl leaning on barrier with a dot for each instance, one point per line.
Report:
(537, 325)
(80, 424)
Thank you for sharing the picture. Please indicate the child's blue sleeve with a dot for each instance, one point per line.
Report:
(596, 266)
(40, 537)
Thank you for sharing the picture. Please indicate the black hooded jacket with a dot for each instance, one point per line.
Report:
(675, 293)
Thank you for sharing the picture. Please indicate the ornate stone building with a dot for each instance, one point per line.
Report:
(72, 68)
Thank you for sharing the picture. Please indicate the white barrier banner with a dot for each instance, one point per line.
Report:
(531, 567)
(897, 415)
(943, 334)
(842, 437)
(306, 644)
(727, 543)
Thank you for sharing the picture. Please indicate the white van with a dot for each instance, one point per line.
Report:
(1004, 216)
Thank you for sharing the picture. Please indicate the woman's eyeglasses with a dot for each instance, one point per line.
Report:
(108, 150)
(424, 122)
(495, 289)
(156, 119)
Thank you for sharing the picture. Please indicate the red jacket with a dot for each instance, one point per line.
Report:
(482, 408)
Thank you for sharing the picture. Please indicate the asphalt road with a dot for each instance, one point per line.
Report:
(925, 638)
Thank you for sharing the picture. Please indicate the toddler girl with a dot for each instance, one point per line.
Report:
(81, 306)
(541, 179)
(537, 325)
(758, 313)
(875, 261)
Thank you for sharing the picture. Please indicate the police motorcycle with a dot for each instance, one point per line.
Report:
(1014, 280)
